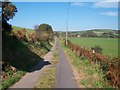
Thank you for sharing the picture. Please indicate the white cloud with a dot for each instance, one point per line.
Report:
(109, 13)
(111, 0)
(77, 4)
(106, 4)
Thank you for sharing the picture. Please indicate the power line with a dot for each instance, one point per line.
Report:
(67, 23)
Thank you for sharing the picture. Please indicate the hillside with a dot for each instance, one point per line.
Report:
(98, 32)
(20, 54)
(16, 28)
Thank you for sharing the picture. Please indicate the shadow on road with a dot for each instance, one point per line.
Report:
(40, 65)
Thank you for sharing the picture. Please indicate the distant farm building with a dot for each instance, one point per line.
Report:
(78, 36)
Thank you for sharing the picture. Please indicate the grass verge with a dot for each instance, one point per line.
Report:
(88, 75)
(48, 79)
(9, 81)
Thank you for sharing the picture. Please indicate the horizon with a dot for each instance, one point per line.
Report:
(70, 30)
(81, 15)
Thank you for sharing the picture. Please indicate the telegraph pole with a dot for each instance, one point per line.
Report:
(67, 25)
(66, 33)
(60, 34)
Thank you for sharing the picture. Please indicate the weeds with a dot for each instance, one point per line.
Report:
(89, 75)
(9, 81)
(48, 78)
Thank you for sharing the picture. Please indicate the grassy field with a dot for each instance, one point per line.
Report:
(110, 46)
(16, 28)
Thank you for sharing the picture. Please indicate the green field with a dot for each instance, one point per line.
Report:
(110, 46)
(16, 28)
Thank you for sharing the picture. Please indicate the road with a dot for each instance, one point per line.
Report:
(65, 77)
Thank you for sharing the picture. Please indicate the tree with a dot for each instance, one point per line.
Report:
(107, 35)
(44, 32)
(89, 34)
(8, 12)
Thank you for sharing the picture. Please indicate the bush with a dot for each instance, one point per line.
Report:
(89, 34)
(97, 49)
(104, 66)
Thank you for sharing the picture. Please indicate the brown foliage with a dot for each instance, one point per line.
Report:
(112, 71)
(22, 35)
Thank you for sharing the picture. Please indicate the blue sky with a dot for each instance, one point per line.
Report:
(82, 15)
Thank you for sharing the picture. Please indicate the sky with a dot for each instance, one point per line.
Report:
(81, 15)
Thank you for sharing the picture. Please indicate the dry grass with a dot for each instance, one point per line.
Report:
(48, 79)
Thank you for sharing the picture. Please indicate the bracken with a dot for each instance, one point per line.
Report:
(109, 67)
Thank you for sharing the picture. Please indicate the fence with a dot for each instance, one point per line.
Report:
(109, 66)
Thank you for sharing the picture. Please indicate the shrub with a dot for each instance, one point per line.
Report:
(97, 49)
(104, 66)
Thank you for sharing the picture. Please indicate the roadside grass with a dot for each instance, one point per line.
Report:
(40, 50)
(9, 81)
(88, 75)
(56, 56)
(48, 78)
(110, 46)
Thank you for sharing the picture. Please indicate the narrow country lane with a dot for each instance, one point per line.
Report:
(65, 77)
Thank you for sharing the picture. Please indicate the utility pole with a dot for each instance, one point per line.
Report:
(60, 34)
(66, 33)
(67, 24)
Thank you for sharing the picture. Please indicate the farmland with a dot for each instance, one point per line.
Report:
(110, 46)
(50, 51)
(16, 28)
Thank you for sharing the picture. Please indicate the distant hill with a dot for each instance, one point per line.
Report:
(98, 32)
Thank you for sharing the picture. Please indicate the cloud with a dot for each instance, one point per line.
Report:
(109, 13)
(111, 0)
(77, 4)
(106, 4)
